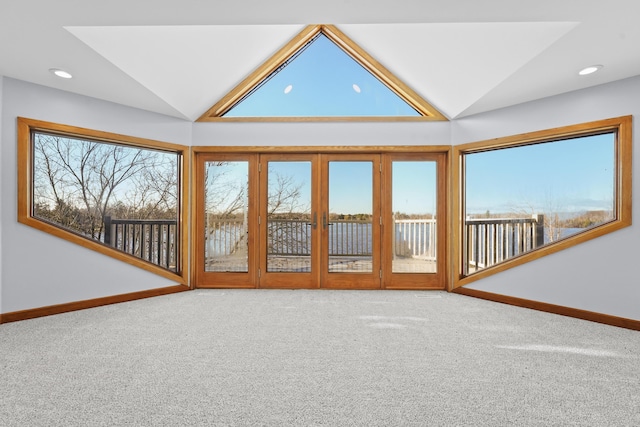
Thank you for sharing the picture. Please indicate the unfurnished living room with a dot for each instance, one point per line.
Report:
(350, 212)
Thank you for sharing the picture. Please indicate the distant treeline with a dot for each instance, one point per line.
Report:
(578, 220)
(334, 217)
(90, 223)
(402, 215)
(587, 219)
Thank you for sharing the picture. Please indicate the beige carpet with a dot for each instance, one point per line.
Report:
(317, 358)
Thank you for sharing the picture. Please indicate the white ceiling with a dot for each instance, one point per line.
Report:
(179, 57)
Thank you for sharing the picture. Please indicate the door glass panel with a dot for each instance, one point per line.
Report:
(350, 216)
(414, 206)
(226, 211)
(289, 221)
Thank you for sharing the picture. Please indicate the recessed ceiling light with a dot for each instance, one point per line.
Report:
(61, 73)
(356, 88)
(288, 89)
(590, 70)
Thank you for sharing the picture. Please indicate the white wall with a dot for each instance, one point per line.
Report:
(1, 242)
(600, 275)
(39, 269)
(322, 134)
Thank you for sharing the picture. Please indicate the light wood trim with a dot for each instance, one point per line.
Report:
(350, 280)
(324, 119)
(621, 125)
(201, 278)
(451, 212)
(291, 152)
(184, 219)
(436, 280)
(284, 280)
(290, 279)
(26, 126)
(197, 183)
(607, 319)
(624, 192)
(81, 305)
(311, 149)
(25, 171)
(428, 112)
(549, 135)
(457, 220)
(98, 135)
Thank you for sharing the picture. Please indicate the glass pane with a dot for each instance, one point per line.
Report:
(123, 196)
(321, 80)
(520, 198)
(414, 207)
(350, 216)
(289, 221)
(226, 205)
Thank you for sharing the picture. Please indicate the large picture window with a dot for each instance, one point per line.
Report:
(116, 194)
(523, 197)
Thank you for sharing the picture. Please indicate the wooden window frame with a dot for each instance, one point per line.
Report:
(427, 111)
(621, 126)
(26, 128)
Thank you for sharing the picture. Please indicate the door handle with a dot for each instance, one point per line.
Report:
(324, 220)
(314, 224)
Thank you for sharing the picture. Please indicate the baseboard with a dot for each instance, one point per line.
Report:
(552, 308)
(81, 305)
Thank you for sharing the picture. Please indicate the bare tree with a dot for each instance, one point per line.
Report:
(552, 222)
(284, 197)
(288, 216)
(225, 194)
(226, 209)
(54, 199)
(154, 192)
(77, 181)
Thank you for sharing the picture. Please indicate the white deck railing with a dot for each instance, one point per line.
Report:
(413, 238)
(493, 240)
(488, 240)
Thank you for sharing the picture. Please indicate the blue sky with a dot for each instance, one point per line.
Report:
(563, 176)
(414, 187)
(350, 185)
(323, 81)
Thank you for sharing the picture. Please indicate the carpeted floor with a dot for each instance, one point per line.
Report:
(317, 358)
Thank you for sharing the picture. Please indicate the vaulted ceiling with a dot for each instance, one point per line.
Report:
(179, 57)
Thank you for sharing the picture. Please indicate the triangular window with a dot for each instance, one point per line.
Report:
(321, 75)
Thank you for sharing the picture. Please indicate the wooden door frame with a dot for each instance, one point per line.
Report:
(202, 279)
(435, 281)
(288, 280)
(352, 280)
(444, 184)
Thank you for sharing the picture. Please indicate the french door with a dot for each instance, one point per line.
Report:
(288, 221)
(302, 220)
(414, 215)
